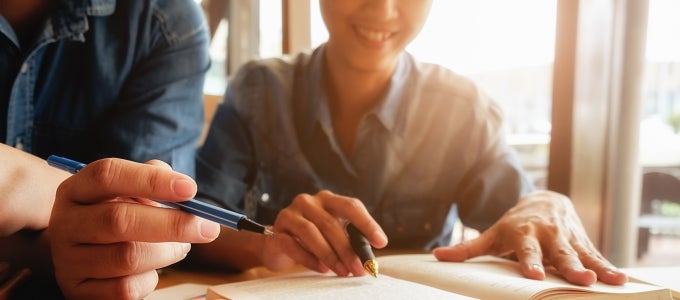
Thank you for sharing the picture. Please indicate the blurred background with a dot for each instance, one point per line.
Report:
(590, 91)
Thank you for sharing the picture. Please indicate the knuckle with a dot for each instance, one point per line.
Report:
(307, 228)
(176, 225)
(527, 250)
(327, 224)
(325, 193)
(302, 200)
(283, 217)
(129, 257)
(105, 173)
(119, 219)
(524, 228)
(127, 289)
(354, 204)
(564, 251)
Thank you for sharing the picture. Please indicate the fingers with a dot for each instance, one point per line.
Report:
(283, 251)
(135, 286)
(121, 259)
(329, 222)
(530, 258)
(104, 236)
(314, 237)
(542, 227)
(113, 222)
(593, 260)
(316, 225)
(110, 178)
(566, 261)
(353, 210)
(468, 249)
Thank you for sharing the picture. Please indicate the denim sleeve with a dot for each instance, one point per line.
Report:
(225, 162)
(496, 180)
(161, 116)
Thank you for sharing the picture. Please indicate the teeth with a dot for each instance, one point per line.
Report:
(374, 35)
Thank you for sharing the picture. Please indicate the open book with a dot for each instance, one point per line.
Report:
(661, 276)
(421, 276)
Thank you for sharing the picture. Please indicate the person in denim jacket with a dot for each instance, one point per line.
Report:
(92, 79)
(359, 131)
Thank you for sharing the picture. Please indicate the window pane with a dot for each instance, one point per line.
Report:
(217, 12)
(659, 152)
(507, 47)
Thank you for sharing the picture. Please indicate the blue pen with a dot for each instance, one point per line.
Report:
(220, 215)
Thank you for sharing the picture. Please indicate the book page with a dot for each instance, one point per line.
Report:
(313, 286)
(662, 276)
(495, 278)
(184, 291)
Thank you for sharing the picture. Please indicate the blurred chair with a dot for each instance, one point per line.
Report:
(657, 187)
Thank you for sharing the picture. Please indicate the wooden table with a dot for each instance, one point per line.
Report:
(174, 276)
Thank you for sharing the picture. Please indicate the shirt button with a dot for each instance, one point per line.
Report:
(19, 144)
(24, 68)
(264, 197)
(400, 229)
(427, 226)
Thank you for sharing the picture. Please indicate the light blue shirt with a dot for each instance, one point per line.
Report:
(431, 150)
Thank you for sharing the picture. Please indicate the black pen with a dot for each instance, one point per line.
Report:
(363, 249)
(213, 213)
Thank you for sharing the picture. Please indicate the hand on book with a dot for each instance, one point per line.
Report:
(106, 235)
(542, 228)
(311, 232)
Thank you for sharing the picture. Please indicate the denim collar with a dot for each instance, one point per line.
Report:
(69, 20)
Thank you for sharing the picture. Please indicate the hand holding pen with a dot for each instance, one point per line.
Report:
(363, 249)
(311, 232)
(220, 215)
(106, 235)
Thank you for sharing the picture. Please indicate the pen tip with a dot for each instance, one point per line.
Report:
(371, 266)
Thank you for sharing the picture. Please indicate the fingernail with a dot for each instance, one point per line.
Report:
(186, 247)
(209, 230)
(183, 187)
(341, 270)
(537, 267)
(612, 272)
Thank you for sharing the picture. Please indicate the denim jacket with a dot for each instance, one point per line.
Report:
(431, 152)
(107, 78)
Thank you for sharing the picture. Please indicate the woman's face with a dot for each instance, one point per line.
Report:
(370, 34)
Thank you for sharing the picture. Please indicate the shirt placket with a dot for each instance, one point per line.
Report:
(21, 108)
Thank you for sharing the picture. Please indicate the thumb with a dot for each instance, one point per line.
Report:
(466, 249)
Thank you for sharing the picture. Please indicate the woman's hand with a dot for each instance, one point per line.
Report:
(543, 228)
(311, 232)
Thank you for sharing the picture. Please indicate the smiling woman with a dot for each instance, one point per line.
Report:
(508, 50)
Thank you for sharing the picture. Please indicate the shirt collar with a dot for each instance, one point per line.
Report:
(387, 111)
(70, 18)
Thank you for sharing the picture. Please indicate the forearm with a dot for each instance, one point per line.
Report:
(232, 250)
(27, 190)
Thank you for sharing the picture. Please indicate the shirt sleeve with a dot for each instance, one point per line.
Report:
(496, 181)
(225, 162)
(160, 112)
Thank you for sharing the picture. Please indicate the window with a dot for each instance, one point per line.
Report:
(660, 136)
(233, 20)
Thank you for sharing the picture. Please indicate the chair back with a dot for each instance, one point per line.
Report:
(658, 186)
